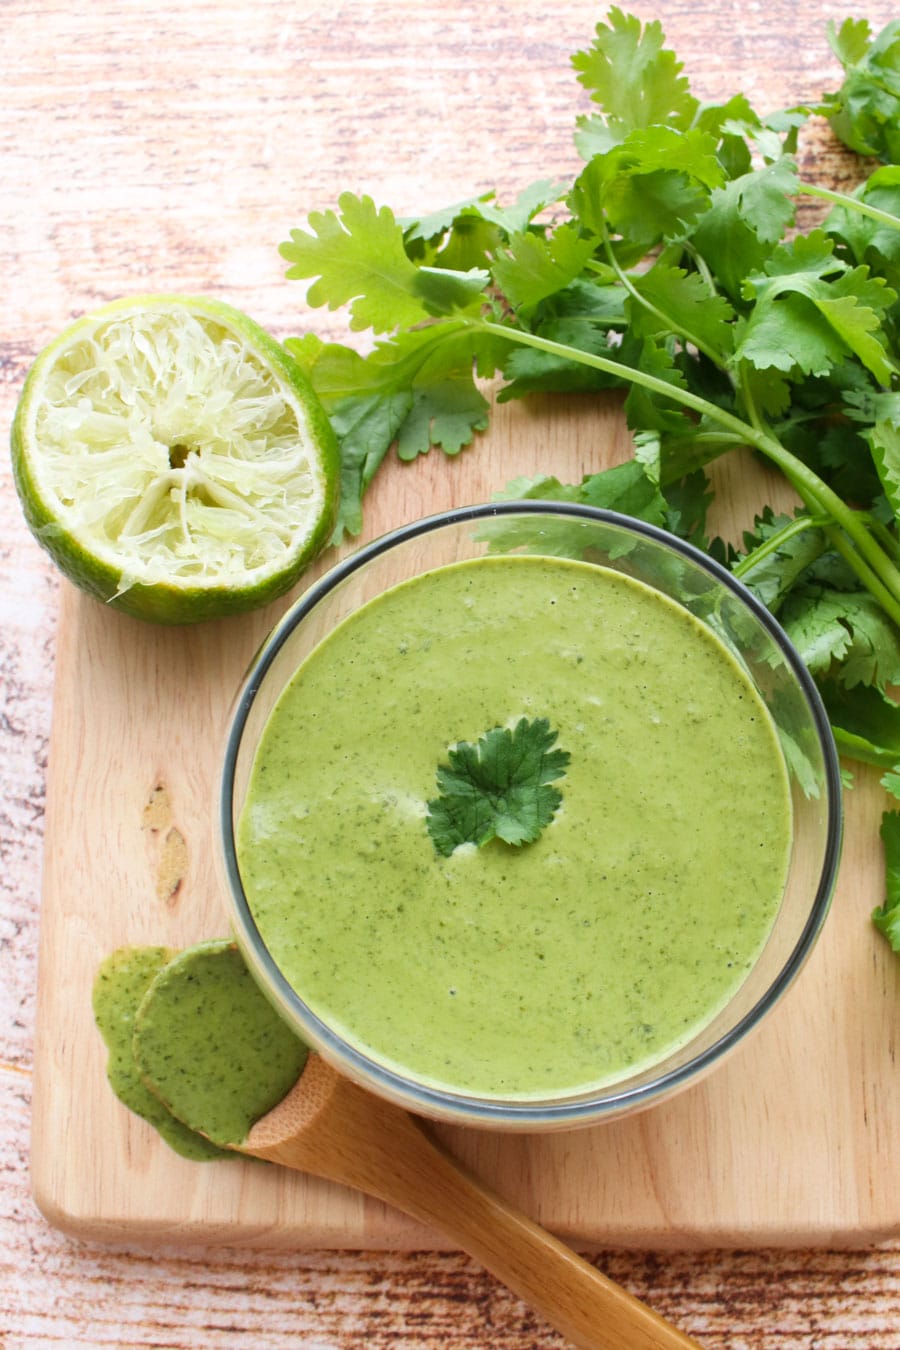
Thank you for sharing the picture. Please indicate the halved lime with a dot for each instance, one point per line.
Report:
(173, 459)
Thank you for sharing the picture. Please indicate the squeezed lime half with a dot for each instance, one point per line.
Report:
(173, 460)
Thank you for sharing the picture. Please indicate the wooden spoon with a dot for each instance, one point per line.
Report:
(329, 1127)
(214, 1051)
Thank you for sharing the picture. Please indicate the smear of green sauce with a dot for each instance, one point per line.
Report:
(119, 987)
(195, 1048)
(211, 1045)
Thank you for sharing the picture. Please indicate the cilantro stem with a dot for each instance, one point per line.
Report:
(851, 203)
(858, 748)
(776, 541)
(869, 579)
(701, 265)
(868, 560)
(874, 568)
(888, 541)
(639, 299)
(630, 374)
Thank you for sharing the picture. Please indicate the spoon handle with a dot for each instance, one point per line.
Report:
(362, 1141)
(584, 1305)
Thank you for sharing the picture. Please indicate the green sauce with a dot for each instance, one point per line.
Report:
(195, 1048)
(545, 969)
(119, 987)
(212, 1045)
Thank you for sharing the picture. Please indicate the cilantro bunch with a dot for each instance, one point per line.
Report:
(670, 269)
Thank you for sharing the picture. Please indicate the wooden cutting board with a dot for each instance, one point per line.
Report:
(792, 1141)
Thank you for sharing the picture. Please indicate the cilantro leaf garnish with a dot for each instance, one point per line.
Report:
(498, 788)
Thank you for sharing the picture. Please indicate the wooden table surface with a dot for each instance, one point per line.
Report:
(172, 147)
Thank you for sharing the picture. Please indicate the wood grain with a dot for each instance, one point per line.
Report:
(173, 147)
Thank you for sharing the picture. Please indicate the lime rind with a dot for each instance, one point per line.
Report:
(173, 459)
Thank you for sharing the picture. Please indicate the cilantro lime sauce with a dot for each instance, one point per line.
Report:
(120, 985)
(211, 1045)
(502, 971)
(195, 1047)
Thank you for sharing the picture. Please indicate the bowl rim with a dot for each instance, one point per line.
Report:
(444, 1103)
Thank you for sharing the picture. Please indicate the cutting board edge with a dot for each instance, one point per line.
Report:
(153, 1233)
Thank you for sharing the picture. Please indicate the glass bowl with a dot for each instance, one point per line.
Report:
(680, 576)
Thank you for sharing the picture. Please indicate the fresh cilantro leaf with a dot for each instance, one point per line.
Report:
(873, 657)
(409, 359)
(843, 633)
(688, 500)
(731, 124)
(467, 244)
(446, 413)
(509, 220)
(637, 81)
(631, 489)
(528, 371)
(445, 290)
(886, 917)
(438, 223)
(645, 409)
(746, 218)
(533, 372)
(810, 303)
(366, 411)
(814, 623)
(414, 390)
(881, 409)
(359, 259)
(499, 788)
(366, 427)
(794, 264)
(581, 316)
(850, 42)
(787, 334)
(744, 136)
(805, 324)
(866, 722)
(871, 240)
(557, 537)
(824, 424)
(865, 111)
(534, 267)
(594, 136)
(628, 489)
(542, 488)
(530, 202)
(857, 323)
(778, 552)
(653, 186)
(704, 317)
